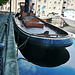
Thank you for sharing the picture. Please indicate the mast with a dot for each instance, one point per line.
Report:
(27, 6)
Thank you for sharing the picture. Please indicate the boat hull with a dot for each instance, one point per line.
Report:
(69, 21)
(42, 41)
(40, 50)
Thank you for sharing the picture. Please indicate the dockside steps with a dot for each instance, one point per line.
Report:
(11, 64)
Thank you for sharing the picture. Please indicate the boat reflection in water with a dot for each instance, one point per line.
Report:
(50, 57)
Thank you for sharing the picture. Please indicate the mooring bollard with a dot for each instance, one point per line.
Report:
(1, 59)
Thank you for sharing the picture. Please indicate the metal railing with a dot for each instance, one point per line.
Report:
(2, 31)
(1, 59)
(6, 37)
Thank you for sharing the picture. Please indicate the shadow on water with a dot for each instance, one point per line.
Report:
(49, 57)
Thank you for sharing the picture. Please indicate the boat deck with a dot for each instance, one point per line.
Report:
(45, 31)
(34, 30)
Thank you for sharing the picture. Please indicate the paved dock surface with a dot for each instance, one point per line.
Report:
(9, 56)
(11, 67)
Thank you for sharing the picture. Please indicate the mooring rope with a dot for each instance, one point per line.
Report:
(22, 46)
(24, 43)
(22, 59)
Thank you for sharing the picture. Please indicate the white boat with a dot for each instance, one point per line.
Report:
(69, 17)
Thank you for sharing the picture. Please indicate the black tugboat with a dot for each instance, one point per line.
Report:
(36, 37)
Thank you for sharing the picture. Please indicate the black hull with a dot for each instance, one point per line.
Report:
(40, 54)
(45, 42)
(43, 55)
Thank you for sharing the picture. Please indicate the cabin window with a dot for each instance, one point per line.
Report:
(38, 6)
(2, 8)
(38, 13)
(71, 4)
(5, 7)
(9, 2)
(44, 6)
(8, 8)
(58, 2)
(49, 7)
(50, 2)
(38, 9)
(44, 1)
(43, 13)
(18, 3)
(59, 8)
(72, 16)
(68, 4)
(39, 0)
(54, 7)
(55, 2)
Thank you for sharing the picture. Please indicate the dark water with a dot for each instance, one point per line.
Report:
(67, 68)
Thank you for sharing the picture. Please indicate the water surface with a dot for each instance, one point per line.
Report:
(67, 68)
